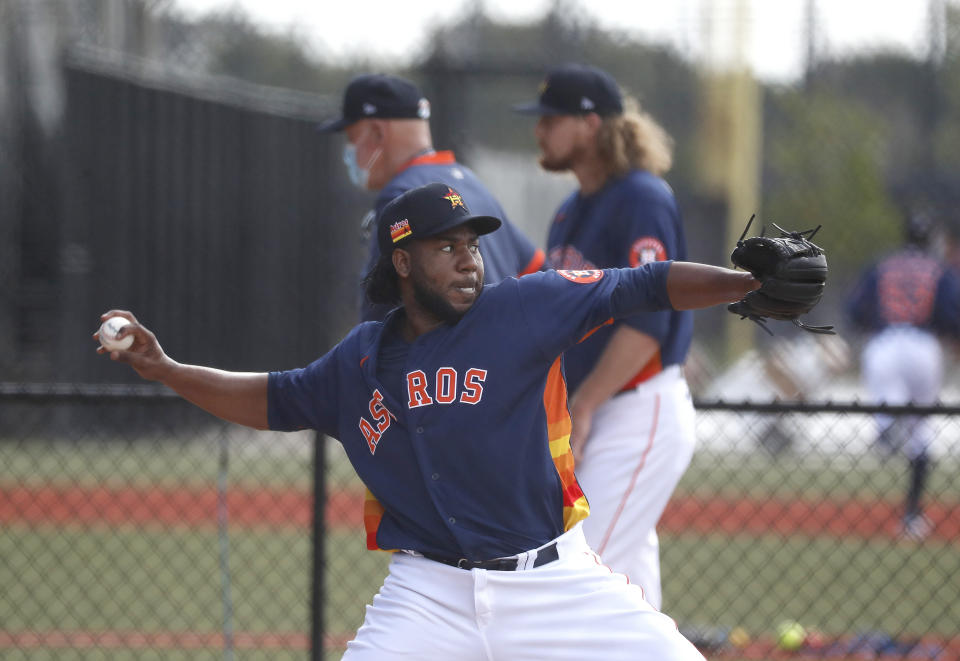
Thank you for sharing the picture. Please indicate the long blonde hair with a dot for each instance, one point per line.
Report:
(634, 140)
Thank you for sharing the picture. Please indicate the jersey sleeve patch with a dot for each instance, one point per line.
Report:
(646, 250)
(582, 276)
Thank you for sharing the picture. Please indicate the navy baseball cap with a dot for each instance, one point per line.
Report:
(382, 96)
(576, 89)
(426, 211)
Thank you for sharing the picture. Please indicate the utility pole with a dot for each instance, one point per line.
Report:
(731, 135)
(810, 35)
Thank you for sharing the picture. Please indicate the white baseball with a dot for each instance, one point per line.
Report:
(108, 335)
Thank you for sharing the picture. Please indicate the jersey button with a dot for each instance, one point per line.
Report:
(435, 476)
(419, 430)
(452, 520)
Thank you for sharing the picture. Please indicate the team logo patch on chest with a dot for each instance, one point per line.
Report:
(568, 258)
(582, 276)
(647, 250)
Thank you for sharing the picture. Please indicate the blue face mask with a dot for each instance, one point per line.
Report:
(358, 175)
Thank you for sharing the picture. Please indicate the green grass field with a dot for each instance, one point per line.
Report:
(151, 579)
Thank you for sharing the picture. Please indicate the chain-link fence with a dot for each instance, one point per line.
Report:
(136, 526)
(800, 512)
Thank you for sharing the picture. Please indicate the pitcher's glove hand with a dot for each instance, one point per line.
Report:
(792, 271)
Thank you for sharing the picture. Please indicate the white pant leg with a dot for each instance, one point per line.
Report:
(640, 445)
(924, 381)
(902, 365)
(576, 609)
(424, 612)
(881, 375)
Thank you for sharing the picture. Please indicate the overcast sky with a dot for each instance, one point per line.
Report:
(394, 31)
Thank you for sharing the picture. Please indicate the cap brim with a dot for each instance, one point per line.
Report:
(482, 224)
(537, 108)
(334, 125)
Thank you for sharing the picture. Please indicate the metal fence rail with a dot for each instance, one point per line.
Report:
(136, 526)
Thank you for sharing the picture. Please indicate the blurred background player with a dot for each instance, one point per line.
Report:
(633, 418)
(908, 301)
(390, 149)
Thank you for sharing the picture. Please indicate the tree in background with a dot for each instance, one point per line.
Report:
(947, 140)
(946, 134)
(825, 159)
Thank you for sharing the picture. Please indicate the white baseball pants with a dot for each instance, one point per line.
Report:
(640, 444)
(903, 365)
(571, 609)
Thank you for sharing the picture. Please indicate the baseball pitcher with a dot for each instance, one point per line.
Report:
(453, 411)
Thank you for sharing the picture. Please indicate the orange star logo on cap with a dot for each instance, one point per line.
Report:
(454, 197)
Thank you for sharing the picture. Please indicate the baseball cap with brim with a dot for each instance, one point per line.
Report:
(576, 89)
(381, 96)
(426, 211)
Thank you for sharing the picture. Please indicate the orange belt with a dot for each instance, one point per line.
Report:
(653, 367)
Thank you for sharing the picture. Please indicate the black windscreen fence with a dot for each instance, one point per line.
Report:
(216, 213)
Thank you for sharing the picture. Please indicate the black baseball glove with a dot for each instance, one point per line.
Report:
(793, 272)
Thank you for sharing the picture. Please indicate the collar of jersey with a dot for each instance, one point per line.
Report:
(445, 157)
(368, 364)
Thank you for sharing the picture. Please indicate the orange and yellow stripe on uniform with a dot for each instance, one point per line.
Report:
(372, 514)
(575, 507)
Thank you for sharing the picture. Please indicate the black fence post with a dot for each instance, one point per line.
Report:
(318, 539)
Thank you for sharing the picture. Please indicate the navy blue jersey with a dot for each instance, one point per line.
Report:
(908, 287)
(506, 252)
(632, 220)
(472, 458)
